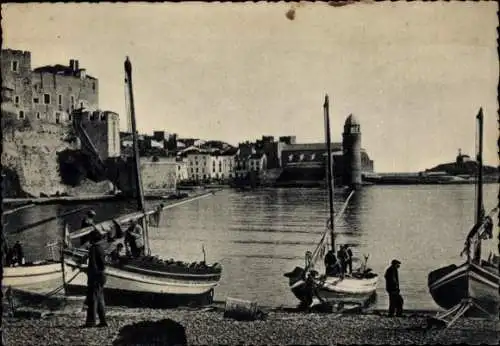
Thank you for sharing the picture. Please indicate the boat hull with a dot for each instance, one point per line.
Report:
(133, 283)
(32, 275)
(335, 290)
(450, 285)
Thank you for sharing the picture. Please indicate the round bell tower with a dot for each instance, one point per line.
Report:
(351, 146)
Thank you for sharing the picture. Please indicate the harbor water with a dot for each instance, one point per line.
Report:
(259, 235)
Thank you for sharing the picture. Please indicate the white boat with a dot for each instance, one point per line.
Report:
(472, 288)
(358, 288)
(32, 274)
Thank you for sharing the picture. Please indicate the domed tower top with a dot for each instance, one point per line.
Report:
(351, 125)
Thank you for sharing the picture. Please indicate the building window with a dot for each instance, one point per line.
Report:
(15, 66)
(93, 86)
(58, 118)
(59, 100)
(70, 117)
(197, 170)
(21, 114)
(17, 100)
(103, 116)
(46, 99)
(38, 115)
(36, 100)
(72, 99)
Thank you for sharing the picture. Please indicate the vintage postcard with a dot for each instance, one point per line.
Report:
(250, 173)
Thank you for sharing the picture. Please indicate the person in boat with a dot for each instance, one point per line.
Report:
(342, 257)
(133, 240)
(117, 254)
(96, 280)
(18, 253)
(392, 288)
(332, 266)
(348, 253)
(88, 221)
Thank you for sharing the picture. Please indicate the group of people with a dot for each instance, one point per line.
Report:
(133, 239)
(340, 264)
(96, 277)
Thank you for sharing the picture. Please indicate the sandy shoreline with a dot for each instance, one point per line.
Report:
(209, 326)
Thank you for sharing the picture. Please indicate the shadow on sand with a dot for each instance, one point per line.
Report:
(163, 332)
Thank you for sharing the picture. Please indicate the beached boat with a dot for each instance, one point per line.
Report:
(471, 288)
(32, 274)
(358, 288)
(38, 274)
(146, 280)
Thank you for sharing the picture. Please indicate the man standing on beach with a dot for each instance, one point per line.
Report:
(95, 282)
(392, 287)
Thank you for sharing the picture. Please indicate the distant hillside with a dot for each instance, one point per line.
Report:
(468, 167)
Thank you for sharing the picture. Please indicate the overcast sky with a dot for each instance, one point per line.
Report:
(414, 74)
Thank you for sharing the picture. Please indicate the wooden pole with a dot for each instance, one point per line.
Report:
(137, 168)
(479, 201)
(63, 246)
(329, 173)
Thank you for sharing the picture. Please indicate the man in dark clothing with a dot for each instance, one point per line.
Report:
(95, 282)
(88, 221)
(348, 253)
(331, 264)
(342, 257)
(18, 253)
(392, 287)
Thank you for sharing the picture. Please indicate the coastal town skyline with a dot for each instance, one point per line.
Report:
(232, 85)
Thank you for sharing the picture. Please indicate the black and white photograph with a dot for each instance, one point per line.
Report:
(250, 173)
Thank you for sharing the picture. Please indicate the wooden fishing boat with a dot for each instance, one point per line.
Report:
(358, 288)
(38, 274)
(471, 288)
(32, 274)
(146, 280)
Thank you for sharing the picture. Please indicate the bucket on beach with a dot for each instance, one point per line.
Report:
(242, 310)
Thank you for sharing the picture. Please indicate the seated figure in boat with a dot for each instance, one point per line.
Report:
(116, 256)
(15, 255)
(18, 254)
(134, 244)
(332, 266)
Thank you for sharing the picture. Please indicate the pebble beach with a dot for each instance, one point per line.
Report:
(208, 326)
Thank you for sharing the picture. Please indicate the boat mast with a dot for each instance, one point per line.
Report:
(329, 173)
(137, 171)
(479, 197)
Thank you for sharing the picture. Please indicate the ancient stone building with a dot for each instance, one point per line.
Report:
(16, 77)
(102, 129)
(59, 89)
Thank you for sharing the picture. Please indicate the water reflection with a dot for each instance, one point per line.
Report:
(258, 235)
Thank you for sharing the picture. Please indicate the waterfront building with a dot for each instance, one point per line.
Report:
(159, 174)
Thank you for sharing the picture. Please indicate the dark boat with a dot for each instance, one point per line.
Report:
(471, 288)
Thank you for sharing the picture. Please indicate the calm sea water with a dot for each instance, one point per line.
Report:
(259, 235)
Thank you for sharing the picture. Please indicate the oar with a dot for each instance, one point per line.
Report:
(15, 210)
(41, 222)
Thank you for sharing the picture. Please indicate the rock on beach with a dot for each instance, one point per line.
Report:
(135, 326)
